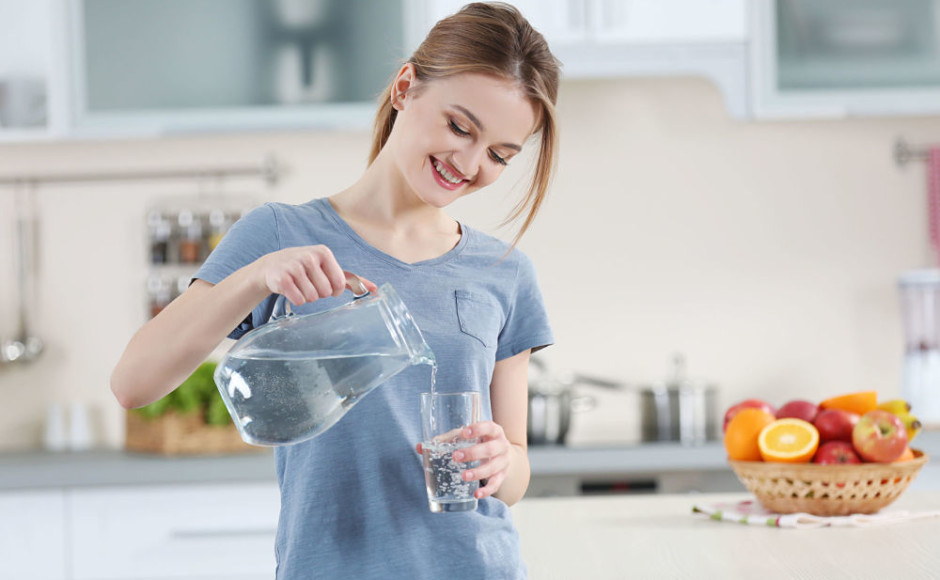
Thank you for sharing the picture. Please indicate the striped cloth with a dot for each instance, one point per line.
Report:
(750, 512)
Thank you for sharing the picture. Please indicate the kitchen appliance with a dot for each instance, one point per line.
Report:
(679, 409)
(293, 378)
(920, 306)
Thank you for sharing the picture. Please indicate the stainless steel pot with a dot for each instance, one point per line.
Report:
(679, 409)
(550, 415)
(552, 400)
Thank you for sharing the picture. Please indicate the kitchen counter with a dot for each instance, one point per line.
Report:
(32, 470)
(95, 468)
(617, 537)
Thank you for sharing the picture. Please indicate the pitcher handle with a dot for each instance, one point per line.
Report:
(282, 307)
(358, 289)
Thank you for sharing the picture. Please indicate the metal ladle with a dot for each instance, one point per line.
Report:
(24, 347)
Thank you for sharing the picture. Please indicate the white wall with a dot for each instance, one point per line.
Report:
(766, 252)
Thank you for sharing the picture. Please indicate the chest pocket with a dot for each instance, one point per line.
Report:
(478, 317)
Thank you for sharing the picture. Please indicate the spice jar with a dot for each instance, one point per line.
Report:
(219, 223)
(190, 240)
(159, 228)
(158, 290)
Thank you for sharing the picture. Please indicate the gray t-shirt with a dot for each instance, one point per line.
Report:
(353, 500)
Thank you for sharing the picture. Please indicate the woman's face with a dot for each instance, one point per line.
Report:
(454, 136)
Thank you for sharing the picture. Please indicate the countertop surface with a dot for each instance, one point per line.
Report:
(30, 470)
(658, 537)
(115, 467)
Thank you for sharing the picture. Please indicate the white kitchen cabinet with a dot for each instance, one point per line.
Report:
(636, 38)
(566, 22)
(156, 67)
(144, 68)
(33, 96)
(166, 532)
(843, 58)
(668, 21)
(32, 535)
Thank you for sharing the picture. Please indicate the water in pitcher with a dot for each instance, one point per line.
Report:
(287, 398)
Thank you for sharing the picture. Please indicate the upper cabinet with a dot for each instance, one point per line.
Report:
(90, 68)
(32, 102)
(618, 38)
(769, 58)
(845, 57)
(166, 66)
(85, 68)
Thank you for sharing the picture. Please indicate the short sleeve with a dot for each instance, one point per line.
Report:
(527, 326)
(251, 237)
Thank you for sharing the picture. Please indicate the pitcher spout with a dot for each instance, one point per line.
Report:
(406, 328)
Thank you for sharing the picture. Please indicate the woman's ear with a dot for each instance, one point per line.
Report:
(404, 81)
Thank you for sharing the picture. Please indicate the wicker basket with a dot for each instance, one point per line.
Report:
(176, 434)
(827, 490)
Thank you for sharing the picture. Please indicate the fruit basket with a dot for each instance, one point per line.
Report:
(827, 490)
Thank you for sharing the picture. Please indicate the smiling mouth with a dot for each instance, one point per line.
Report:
(444, 172)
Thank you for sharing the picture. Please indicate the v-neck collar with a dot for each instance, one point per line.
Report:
(327, 208)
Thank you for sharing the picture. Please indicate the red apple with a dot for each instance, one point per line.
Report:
(879, 436)
(798, 409)
(834, 452)
(747, 403)
(835, 424)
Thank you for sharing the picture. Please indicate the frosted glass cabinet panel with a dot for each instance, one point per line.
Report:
(175, 64)
(844, 57)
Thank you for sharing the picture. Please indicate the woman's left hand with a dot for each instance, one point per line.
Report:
(492, 452)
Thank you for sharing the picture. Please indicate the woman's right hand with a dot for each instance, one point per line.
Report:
(303, 274)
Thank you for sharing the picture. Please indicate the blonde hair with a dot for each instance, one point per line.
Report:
(495, 39)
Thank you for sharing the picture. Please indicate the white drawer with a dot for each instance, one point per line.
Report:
(183, 531)
(32, 535)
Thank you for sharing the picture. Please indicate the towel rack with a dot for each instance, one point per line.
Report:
(270, 171)
(903, 153)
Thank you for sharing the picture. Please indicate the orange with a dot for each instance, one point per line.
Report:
(742, 432)
(859, 402)
(788, 441)
(908, 455)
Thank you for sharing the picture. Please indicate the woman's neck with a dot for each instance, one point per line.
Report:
(382, 210)
(383, 199)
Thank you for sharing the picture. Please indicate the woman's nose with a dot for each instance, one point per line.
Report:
(468, 161)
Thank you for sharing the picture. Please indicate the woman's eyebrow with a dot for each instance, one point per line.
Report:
(473, 119)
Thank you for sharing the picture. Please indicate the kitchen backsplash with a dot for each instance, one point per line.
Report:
(766, 252)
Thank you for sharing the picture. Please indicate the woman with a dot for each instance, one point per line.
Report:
(353, 503)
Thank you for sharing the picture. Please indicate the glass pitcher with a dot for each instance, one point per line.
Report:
(295, 377)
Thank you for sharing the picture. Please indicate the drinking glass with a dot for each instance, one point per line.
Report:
(443, 418)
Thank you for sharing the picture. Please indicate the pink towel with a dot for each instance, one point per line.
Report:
(933, 199)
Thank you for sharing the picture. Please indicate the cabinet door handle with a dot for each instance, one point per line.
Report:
(194, 534)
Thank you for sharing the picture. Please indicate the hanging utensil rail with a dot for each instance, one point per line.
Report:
(904, 153)
(270, 171)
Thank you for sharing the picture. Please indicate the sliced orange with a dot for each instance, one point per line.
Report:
(908, 455)
(788, 441)
(859, 402)
(741, 434)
